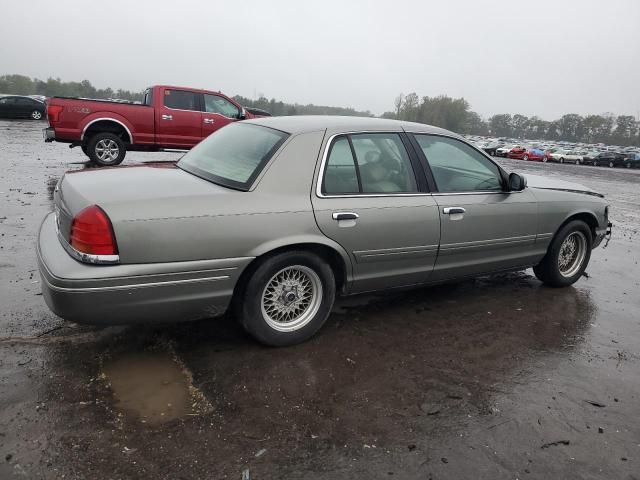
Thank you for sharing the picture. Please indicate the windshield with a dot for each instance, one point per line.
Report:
(234, 155)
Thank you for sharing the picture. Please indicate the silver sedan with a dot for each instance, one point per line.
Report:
(274, 217)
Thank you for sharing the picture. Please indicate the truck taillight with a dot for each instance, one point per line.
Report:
(92, 232)
(53, 112)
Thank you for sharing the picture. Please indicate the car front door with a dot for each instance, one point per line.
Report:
(371, 198)
(178, 119)
(483, 227)
(217, 112)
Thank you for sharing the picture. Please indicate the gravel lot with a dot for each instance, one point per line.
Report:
(493, 378)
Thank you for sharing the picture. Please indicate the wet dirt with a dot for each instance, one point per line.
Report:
(498, 377)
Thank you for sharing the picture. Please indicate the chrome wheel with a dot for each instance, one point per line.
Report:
(572, 254)
(107, 150)
(291, 298)
(526, 157)
(36, 115)
(610, 164)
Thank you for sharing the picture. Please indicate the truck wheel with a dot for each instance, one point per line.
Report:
(106, 149)
(567, 256)
(287, 299)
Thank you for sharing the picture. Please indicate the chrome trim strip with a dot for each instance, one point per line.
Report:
(84, 257)
(136, 285)
(487, 243)
(106, 118)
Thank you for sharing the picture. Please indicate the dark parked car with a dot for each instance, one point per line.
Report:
(632, 160)
(14, 106)
(491, 148)
(611, 159)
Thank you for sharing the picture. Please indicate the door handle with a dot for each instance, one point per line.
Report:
(345, 216)
(167, 117)
(209, 120)
(453, 210)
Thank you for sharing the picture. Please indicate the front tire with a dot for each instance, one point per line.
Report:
(106, 149)
(287, 299)
(36, 115)
(567, 256)
(526, 157)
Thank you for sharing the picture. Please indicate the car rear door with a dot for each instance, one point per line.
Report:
(7, 107)
(178, 119)
(483, 227)
(371, 198)
(218, 111)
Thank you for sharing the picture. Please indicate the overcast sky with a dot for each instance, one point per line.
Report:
(536, 57)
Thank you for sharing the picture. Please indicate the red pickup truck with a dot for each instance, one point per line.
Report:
(167, 118)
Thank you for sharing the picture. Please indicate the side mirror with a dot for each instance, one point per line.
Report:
(243, 114)
(517, 183)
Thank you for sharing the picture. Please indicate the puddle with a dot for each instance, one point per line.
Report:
(152, 387)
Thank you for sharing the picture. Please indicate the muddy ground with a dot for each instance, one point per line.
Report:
(494, 378)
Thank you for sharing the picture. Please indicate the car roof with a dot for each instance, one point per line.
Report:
(334, 123)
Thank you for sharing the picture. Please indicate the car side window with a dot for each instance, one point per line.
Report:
(457, 167)
(180, 100)
(340, 176)
(7, 101)
(216, 104)
(381, 165)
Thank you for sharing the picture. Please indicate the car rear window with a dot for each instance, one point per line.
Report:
(234, 155)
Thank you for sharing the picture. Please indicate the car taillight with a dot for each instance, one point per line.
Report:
(53, 112)
(92, 233)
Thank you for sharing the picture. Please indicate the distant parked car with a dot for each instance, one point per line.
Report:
(610, 159)
(566, 156)
(491, 148)
(590, 156)
(632, 160)
(504, 150)
(521, 153)
(15, 106)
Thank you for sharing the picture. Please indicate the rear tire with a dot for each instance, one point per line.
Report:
(611, 165)
(567, 256)
(526, 157)
(287, 298)
(106, 149)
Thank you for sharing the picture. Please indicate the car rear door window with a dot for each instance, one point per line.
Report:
(180, 100)
(217, 104)
(340, 176)
(369, 163)
(457, 167)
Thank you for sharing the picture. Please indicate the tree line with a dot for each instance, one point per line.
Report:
(451, 113)
(54, 87)
(455, 114)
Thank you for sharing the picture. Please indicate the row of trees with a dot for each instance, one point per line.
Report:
(278, 108)
(451, 113)
(23, 85)
(455, 114)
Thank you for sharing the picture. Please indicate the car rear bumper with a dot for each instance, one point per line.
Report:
(123, 294)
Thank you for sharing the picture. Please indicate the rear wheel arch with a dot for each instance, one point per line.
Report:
(330, 255)
(108, 125)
